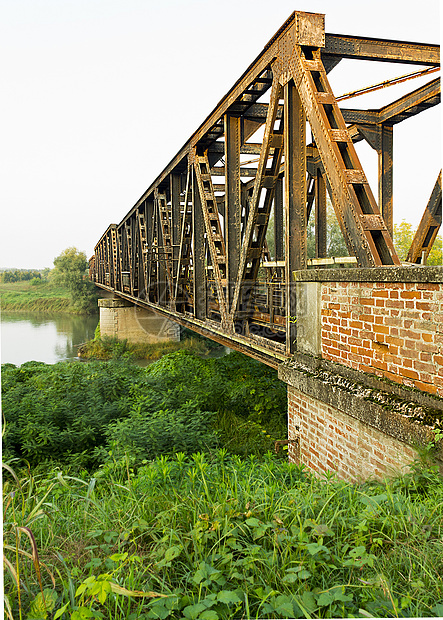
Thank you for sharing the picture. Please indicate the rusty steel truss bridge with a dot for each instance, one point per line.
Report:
(215, 239)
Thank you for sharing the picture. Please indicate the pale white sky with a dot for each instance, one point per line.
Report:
(99, 95)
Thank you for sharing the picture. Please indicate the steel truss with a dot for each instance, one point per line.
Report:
(194, 246)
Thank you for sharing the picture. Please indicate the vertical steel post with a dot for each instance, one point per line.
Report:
(320, 216)
(161, 267)
(385, 176)
(198, 253)
(175, 187)
(295, 202)
(150, 242)
(278, 220)
(232, 219)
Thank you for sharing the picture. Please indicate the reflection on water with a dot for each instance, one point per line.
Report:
(44, 338)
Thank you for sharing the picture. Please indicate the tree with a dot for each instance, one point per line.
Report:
(70, 270)
(403, 236)
(335, 243)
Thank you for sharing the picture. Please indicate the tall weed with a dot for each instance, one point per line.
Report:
(219, 536)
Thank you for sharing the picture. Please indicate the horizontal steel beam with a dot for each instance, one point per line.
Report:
(413, 103)
(355, 116)
(248, 345)
(245, 149)
(383, 50)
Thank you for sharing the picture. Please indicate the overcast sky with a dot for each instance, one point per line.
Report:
(99, 95)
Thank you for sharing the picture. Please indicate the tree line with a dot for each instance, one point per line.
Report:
(70, 272)
(23, 275)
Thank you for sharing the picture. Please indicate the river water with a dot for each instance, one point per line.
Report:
(44, 338)
(51, 338)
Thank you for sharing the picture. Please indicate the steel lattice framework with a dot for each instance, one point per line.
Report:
(194, 246)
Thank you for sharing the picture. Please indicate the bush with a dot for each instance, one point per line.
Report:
(147, 434)
(59, 413)
(70, 270)
(78, 413)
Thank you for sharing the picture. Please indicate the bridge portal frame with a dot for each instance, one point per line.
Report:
(194, 249)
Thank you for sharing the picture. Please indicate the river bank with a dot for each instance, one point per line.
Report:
(46, 297)
(106, 348)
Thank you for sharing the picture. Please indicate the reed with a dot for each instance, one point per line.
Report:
(24, 297)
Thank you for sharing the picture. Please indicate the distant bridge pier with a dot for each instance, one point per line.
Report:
(122, 319)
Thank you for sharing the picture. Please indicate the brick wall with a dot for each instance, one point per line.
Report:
(329, 439)
(392, 329)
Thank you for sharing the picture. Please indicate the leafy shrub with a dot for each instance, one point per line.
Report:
(148, 434)
(78, 413)
(60, 412)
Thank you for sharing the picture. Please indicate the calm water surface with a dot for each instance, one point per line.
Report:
(42, 337)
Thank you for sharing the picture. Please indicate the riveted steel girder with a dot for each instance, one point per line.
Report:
(215, 238)
(428, 228)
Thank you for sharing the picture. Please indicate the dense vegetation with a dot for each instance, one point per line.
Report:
(152, 493)
(217, 536)
(70, 413)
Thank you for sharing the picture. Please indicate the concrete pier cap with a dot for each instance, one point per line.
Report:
(122, 319)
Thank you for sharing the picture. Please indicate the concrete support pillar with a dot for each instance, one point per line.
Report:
(308, 315)
(334, 425)
(122, 319)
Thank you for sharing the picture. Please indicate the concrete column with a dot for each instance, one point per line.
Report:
(122, 319)
(308, 317)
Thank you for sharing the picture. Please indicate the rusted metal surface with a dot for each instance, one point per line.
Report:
(383, 50)
(387, 83)
(428, 228)
(213, 241)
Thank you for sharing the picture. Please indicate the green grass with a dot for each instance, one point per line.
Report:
(216, 536)
(107, 348)
(114, 520)
(23, 296)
